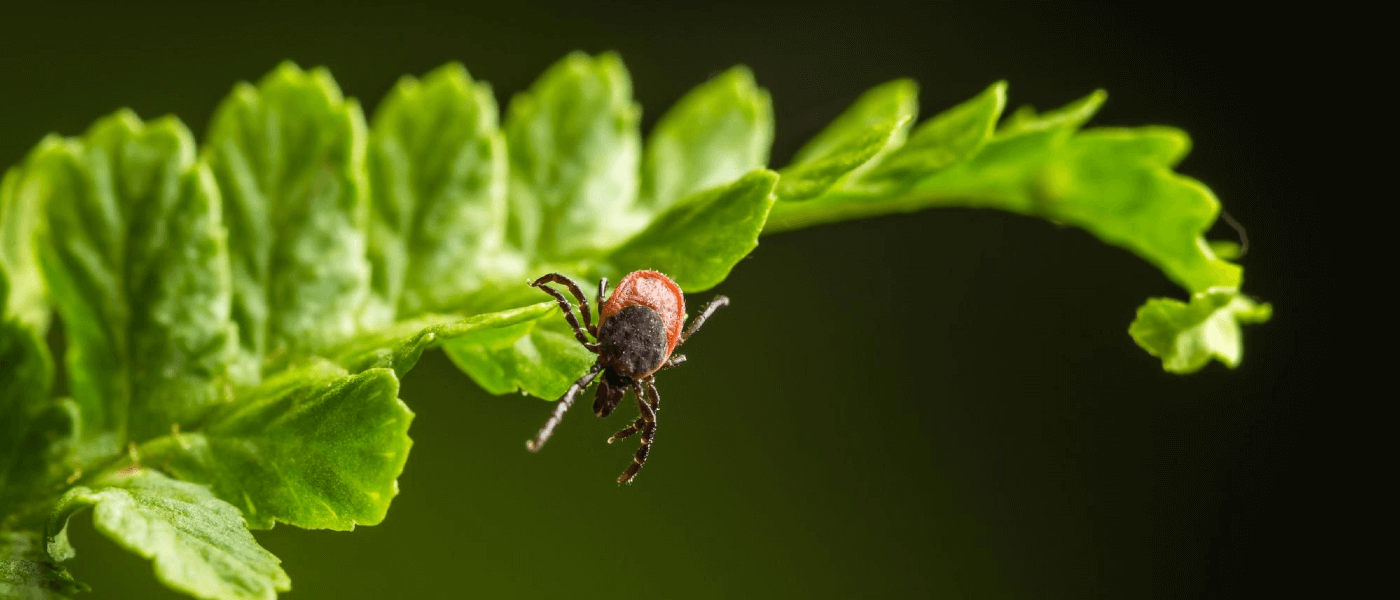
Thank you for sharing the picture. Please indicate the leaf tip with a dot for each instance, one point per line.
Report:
(608, 59)
(1176, 143)
(998, 91)
(452, 71)
(902, 85)
(760, 178)
(1096, 98)
(739, 77)
(287, 70)
(1187, 336)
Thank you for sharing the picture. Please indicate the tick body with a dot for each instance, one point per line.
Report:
(639, 328)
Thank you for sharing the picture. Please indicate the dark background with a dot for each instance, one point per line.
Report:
(944, 404)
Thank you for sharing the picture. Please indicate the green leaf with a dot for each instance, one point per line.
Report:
(314, 448)
(1187, 336)
(21, 217)
(1115, 183)
(27, 574)
(37, 435)
(574, 145)
(803, 181)
(698, 240)
(879, 120)
(715, 134)
(35, 432)
(889, 102)
(198, 543)
(943, 141)
(439, 170)
(1056, 123)
(539, 357)
(36, 455)
(348, 251)
(26, 372)
(289, 158)
(398, 347)
(137, 265)
(1226, 250)
(1118, 184)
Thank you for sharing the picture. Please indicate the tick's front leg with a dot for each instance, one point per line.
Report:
(714, 305)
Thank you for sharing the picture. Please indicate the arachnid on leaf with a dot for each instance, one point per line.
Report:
(638, 331)
(239, 308)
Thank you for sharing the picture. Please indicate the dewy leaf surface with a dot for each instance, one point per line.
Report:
(289, 158)
(197, 543)
(138, 269)
(877, 121)
(698, 240)
(315, 448)
(27, 574)
(716, 133)
(438, 171)
(1187, 336)
(574, 148)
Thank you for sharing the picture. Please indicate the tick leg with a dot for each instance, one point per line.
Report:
(578, 295)
(568, 309)
(602, 293)
(607, 398)
(699, 319)
(676, 360)
(648, 426)
(640, 422)
(565, 402)
(628, 432)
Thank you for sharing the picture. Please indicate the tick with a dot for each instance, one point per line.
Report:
(639, 329)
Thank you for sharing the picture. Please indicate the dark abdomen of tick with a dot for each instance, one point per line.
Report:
(633, 342)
